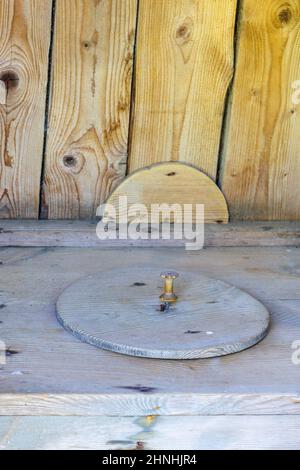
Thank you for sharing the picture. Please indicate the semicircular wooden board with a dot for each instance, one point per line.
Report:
(170, 183)
(120, 310)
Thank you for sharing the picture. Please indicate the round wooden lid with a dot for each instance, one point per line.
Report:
(120, 310)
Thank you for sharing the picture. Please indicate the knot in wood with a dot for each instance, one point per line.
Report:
(285, 15)
(10, 79)
(69, 161)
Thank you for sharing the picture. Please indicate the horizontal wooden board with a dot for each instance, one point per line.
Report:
(83, 234)
(150, 432)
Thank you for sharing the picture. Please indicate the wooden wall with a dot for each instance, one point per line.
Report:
(93, 89)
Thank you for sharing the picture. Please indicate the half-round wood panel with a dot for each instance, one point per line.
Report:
(170, 183)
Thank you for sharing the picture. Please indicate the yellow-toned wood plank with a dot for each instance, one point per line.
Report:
(183, 69)
(261, 167)
(24, 45)
(174, 184)
(90, 100)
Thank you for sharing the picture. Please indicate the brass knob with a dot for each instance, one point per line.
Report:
(168, 294)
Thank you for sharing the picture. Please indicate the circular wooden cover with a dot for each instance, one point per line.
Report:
(119, 310)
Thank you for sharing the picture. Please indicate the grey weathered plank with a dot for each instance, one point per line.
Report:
(83, 234)
(148, 404)
(160, 432)
(50, 372)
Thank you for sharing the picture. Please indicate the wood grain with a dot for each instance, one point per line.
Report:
(169, 183)
(3, 92)
(147, 404)
(84, 380)
(90, 99)
(261, 171)
(24, 44)
(150, 432)
(184, 65)
(83, 234)
(210, 318)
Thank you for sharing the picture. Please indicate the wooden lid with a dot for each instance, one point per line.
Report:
(120, 310)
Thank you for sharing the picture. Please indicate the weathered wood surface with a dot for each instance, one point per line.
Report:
(50, 372)
(3, 92)
(184, 64)
(24, 45)
(261, 171)
(183, 69)
(83, 234)
(89, 106)
(151, 432)
(119, 310)
(169, 183)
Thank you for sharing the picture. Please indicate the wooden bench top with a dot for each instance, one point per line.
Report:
(48, 371)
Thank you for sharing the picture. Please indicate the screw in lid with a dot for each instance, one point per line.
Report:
(169, 274)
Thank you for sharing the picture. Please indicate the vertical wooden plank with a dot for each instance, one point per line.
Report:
(90, 100)
(261, 165)
(183, 69)
(24, 44)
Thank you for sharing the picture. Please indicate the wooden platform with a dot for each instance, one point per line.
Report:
(49, 372)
